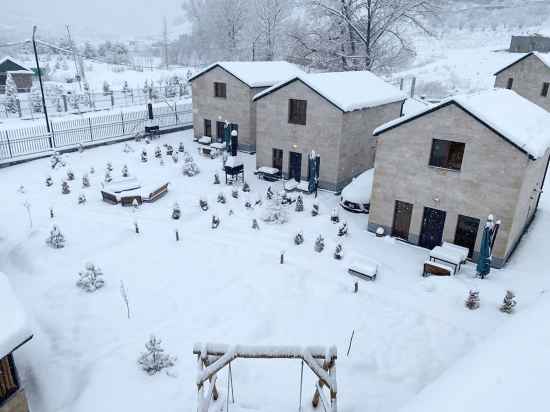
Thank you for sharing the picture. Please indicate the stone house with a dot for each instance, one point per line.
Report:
(527, 44)
(529, 76)
(14, 332)
(333, 114)
(22, 75)
(441, 172)
(223, 92)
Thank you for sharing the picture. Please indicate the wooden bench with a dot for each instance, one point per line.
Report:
(364, 269)
(129, 200)
(269, 174)
(157, 194)
(436, 269)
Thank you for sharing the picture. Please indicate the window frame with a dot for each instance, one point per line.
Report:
(447, 165)
(545, 89)
(297, 112)
(510, 83)
(220, 90)
(14, 378)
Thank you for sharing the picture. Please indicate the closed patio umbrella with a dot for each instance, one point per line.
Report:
(314, 163)
(484, 261)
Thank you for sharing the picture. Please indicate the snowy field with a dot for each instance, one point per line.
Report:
(226, 285)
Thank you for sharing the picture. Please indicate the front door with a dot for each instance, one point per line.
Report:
(433, 223)
(295, 166)
(402, 219)
(466, 232)
(220, 128)
(278, 159)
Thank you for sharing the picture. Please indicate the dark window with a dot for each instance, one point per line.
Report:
(545, 87)
(447, 154)
(510, 83)
(220, 130)
(297, 111)
(220, 90)
(8, 378)
(207, 127)
(278, 159)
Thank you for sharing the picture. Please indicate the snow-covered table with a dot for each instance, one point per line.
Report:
(129, 190)
(205, 140)
(458, 249)
(364, 268)
(447, 255)
(270, 174)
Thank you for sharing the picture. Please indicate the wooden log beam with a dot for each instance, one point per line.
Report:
(266, 352)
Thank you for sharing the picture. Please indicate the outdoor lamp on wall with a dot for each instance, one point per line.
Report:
(436, 200)
(294, 146)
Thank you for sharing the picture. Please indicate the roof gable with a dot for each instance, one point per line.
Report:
(517, 120)
(9, 64)
(543, 57)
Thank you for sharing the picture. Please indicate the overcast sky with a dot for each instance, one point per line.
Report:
(127, 18)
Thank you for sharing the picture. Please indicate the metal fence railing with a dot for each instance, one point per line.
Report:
(15, 143)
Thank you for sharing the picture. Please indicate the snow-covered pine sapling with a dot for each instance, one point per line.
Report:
(108, 177)
(169, 150)
(124, 171)
(216, 179)
(275, 212)
(285, 200)
(334, 217)
(80, 148)
(472, 302)
(269, 193)
(136, 227)
(175, 157)
(81, 199)
(65, 188)
(343, 229)
(70, 175)
(176, 211)
(339, 252)
(319, 244)
(144, 156)
(299, 204)
(299, 238)
(91, 279)
(21, 189)
(127, 148)
(181, 147)
(255, 224)
(55, 160)
(109, 167)
(203, 204)
(190, 168)
(161, 161)
(49, 181)
(92, 170)
(215, 221)
(315, 209)
(221, 198)
(56, 239)
(158, 152)
(509, 302)
(85, 181)
(246, 187)
(51, 213)
(248, 204)
(235, 193)
(231, 213)
(154, 360)
(258, 201)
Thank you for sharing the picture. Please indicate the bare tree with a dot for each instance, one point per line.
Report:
(270, 17)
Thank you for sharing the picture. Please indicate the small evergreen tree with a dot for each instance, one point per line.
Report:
(49, 181)
(299, 238)
(144, 156)
(221, 198)
(315, 209)
(203, 204)
(472, 302)
(85, 181)
(81, 199)
(176, 211)
(175, 157)
(339, 252)
(158, 152)
(91, 279)
(65, 188)
(299, 204)
(56, 239)
(235, 193)
(248, 204)
(509, 302)
(275, 211)
(246, 187)
(269, 193)
(154, 359)
(181, 147)
(255, 224)
(109, 167)
(334, 217)
(106, 88)
(92, 170)
(36, 99)
(169, 150)
(319, 244)
(190, 168)
(215, 221)
(343, 229)
(216, 179)
(127, 148)
(11, 97)
(124, 171)
(108, 178)
(70, 175)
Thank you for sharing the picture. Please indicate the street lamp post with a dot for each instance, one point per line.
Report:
(41, 86)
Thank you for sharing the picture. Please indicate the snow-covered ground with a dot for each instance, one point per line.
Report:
(227, 285)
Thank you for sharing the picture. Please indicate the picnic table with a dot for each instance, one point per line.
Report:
(270, 174)
(464, 251)
(448, 256)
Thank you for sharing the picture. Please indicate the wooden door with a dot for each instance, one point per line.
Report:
(466, 232)
(433, 223)
(295, 166)
(220, 129)
(402, 219)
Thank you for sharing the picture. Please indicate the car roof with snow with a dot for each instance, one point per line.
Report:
(14, 329)
(516, 119)
(257, 73)
(360, 188)
(348, 91)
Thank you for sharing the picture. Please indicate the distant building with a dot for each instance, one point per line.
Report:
(224, 91)
(333, 114)
(440, 173)
(528, 44)
(21, 74)
(14, 332)
(529, 76)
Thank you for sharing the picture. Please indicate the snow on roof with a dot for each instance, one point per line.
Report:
(256, 74)
(520, 121)
(14, 329)
(360, 189)
(347, 90)
(25, 68)
(413, 106)
(543, 57)
(507, 372)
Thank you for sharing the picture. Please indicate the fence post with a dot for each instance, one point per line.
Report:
(122, 120)
(65, 107)
(9, 145)
(91, 134)
(52, 136)
(176, 111)
(18, 104)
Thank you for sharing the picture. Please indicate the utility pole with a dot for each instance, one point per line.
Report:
(41, 86)
(165, 42)
(76, 66)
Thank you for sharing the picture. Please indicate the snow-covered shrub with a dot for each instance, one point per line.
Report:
(269, 193)
(339, 252)
(92, 170)
(65, 188)
(81, 199)
(175, 157)
(248, 204)
(472, 302)
(108, 178)
(144, 156)
(299, 204)
(91, 279)
(124, 171)
(70, 175)
(127, 148)
(181, 147)
(11, 98)
(275, 212)
(215, 221)
(176, 211)
(235, 193)
(154, 359)
(319, 244)
(203, 204)
(509, 302)
(36, 99)
(49, 181)
(334, 217)
(56, 160)
(21, 189)
(85, 181)
(56, 239)
(190, 168)
(169, 150)
(255, 224)
(158, 152)
(299, 238)
(221, 198)
(216, 179)
(343, 229)
(315, 209)
(106, 88)
(246, 187)
(109, 167)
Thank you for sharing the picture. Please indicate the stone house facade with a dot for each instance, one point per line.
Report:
(338, 114)
(527, 44)
(22, 75)
(529, 76)
(224, 92)
(440, 173)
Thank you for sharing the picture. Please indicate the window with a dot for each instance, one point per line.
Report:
(545, 87)
(220, 90)
(8, 379)
(510, 83)
(220, 131)
(297, 111)
(447, 154)
(207, 127)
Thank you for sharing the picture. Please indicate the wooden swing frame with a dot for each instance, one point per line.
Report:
(211, 358)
